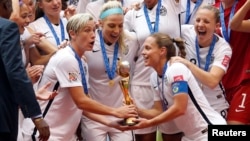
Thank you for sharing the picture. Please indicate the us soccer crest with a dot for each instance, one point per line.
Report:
(72, 76)
(163, 11)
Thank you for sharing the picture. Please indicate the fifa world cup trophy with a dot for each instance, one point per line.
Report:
(123, 71)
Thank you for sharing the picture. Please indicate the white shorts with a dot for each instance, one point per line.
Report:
(28, 129)
(199, 136)
(143, 96)
(168, 128)
(29, 138)
(94, 131)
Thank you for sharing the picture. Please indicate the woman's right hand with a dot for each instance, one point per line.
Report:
(34, 72)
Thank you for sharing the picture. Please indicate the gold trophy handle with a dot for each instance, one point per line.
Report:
(125, 90)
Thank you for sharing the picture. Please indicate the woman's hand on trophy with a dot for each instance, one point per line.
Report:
(140, 123)
(126, 111)
(132, 103)
(118, 124)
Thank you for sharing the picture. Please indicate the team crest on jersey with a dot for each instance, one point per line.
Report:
(163, 11)
(225, 61)
(72, 76)
(178, 78)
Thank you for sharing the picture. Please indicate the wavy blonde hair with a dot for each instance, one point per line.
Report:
(115, 4)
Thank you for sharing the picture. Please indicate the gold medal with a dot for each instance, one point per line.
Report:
(111, 83)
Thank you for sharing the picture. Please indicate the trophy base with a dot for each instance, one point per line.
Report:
(129, 121)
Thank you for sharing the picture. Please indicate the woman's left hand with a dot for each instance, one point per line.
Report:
(44, 94)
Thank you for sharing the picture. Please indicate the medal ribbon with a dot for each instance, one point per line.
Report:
(53, 30)
(84, 82)
(188, 15)
(110, 72)
(165, 102)
(209, 55)
(156, 25)
(226, 31)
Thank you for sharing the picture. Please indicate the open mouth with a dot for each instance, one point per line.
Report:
(145, 58)
(114, 37)
(92, 43)
(202, 33)
(56, 9)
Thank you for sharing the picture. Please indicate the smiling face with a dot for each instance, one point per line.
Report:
(205, 25)
(112, 28)
(23, 20)
(31, 5)
(151, 52)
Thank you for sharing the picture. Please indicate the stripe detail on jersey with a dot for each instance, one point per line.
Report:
(222, 89)
(198, 107)
(179, 87)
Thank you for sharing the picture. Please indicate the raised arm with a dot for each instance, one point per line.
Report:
(209, 78)
(238, 23)
(41, 44)
(15, 10)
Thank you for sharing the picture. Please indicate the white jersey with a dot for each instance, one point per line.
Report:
(99, 80)
(81, 6)
(193, 9)
(220, 57)
(25, 49)
(101, 91)
(26, 34)
(196, 122)
(135, 21)
(40, 25)
(63, 116)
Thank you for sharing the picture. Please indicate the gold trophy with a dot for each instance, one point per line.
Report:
(123, 71)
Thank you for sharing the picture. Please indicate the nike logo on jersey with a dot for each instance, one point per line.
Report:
(137, 16)
(95, 51)
(237, 110)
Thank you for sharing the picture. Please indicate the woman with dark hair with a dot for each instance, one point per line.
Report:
(153, 16)
(185, 103)
(208, 56)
